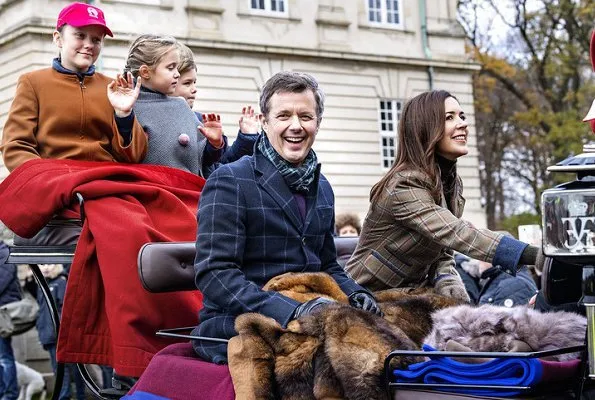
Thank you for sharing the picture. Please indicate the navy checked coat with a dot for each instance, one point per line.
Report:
(250, 230)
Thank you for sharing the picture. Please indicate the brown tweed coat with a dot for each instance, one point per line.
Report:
(408, 237)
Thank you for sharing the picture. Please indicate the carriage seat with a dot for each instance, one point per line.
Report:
(169, 267)
(53, 244)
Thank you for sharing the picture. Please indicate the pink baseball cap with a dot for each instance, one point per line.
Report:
(81, 14)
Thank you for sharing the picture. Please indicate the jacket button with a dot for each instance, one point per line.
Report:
(304, 241)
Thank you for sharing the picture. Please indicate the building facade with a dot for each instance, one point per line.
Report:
(369, 56)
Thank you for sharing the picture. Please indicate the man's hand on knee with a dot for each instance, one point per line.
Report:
(310, 307)
(364, 301)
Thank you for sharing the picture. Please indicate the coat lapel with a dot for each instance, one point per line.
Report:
(459, 204)
(311, 199)
(273, 183)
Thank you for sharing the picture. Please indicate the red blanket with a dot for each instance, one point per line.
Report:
(108, 318)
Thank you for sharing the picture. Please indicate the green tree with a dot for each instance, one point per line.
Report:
(535, 87)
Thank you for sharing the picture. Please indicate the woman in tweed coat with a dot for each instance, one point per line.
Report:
(413, 224)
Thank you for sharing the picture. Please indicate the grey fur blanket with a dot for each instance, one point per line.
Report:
(493, 328)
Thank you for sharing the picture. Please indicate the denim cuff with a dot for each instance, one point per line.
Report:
(508, 255)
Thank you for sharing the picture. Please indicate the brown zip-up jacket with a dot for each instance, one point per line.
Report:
(408, 237)
(54, 115)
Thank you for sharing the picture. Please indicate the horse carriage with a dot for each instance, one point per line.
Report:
(569, 213)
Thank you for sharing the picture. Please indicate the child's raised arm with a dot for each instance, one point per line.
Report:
(212, 130)
(249, 121)
(122, 94)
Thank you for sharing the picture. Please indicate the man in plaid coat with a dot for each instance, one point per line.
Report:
(266, 215)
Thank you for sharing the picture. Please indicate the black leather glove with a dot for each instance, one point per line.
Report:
(364, 301)
(532, 255)
(310, 306)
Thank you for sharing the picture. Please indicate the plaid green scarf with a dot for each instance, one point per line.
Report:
(299, 178)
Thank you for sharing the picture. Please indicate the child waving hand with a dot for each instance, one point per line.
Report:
(176, 137)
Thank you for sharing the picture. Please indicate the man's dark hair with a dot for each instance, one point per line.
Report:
(291, 82)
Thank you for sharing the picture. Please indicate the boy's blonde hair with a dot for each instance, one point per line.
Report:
(186, 59)
(148, 50)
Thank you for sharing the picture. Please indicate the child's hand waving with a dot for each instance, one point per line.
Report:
(212, 130)
(249, 122)
(122, 94)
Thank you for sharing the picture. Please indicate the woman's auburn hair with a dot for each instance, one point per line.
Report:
(421, 127)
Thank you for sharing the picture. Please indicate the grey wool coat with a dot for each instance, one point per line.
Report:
(164, 118)
(408, 237)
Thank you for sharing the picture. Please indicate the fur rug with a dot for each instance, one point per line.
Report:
(339, 352)
(493, 328)
(336, 353)
(306, 286)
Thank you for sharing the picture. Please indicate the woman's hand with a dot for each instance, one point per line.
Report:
(122, 94)
(451, 286)
(212, 130)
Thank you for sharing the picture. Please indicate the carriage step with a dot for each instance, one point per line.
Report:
(112, 393)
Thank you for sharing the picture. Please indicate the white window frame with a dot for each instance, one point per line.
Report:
(384, 13)
(268, 9)
(388, 123)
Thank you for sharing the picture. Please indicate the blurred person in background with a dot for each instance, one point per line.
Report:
(9, 292)
(348, 224)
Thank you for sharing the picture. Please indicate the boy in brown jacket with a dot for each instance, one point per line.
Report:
(63, 112)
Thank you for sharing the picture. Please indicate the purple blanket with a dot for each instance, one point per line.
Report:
(176, 373)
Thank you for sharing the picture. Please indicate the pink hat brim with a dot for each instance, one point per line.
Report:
(87, 23)
(108, 32)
